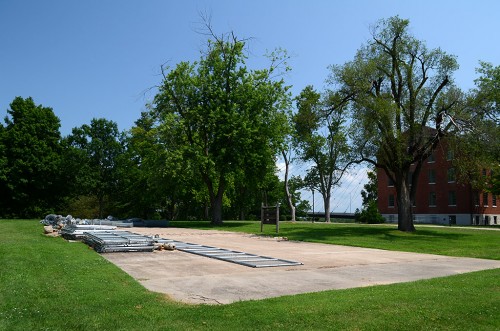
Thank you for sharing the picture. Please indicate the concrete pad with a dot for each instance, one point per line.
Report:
(196, 279)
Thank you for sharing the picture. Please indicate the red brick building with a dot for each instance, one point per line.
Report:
(439, 198)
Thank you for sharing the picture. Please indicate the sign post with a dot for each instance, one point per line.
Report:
(270, 215)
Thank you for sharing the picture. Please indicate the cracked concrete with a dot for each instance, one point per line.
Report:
(195, 279)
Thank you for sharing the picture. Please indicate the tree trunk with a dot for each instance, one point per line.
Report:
(326, 201)
(215, 197)
(292, 211)
(405, 213)
(217, 210)
(216, 202)
(287, 190)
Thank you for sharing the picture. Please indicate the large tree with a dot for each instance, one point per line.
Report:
(139, 168)
(30, 180)
(403, 102)
(320, 138)
(479, 147)
(288, 156)
(96, 148)
(223, 116)
(156, 180)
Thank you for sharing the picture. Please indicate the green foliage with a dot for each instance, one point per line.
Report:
(370, 189)
(83, 206)
(369, 214)
(307, 118)
(222, 120)
(495, 182)
(30, 180)
(152, 179)
(477, 150)
(296, 183)
(94, 151)
(4, 193)
(487, 92)
(479, 147)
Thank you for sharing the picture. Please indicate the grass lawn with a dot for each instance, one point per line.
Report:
(51, 284)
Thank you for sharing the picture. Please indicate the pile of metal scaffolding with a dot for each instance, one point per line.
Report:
(59, 221)
(118, 241)
(77, 231)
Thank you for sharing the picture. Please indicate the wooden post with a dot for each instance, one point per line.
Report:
(261, 217)
(277, 218)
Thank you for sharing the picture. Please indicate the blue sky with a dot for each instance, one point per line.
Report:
(97, 58)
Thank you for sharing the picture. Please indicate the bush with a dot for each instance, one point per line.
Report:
(369, 214)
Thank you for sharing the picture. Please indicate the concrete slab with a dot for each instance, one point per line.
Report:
(195, 279)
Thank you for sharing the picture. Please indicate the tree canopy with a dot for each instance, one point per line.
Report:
(478, 148)
(97, 147)
(321, 139)
(222, 118)
(31, 156)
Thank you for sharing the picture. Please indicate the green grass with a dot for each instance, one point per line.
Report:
(51, 284)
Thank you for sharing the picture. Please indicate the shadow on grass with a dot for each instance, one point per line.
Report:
(327, 233)
(209, 226)
(331, 233)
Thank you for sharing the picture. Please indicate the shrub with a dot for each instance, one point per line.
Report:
(369, 214)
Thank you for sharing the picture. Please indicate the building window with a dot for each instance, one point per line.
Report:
(485, 199)
(494, 219)
(432, 199)
(449, 155)
(391, 182)
(476, 198)
(391, 200)
(452, 198)
(451, 175)
(431, 158)
(493, 200)
(432, 176)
